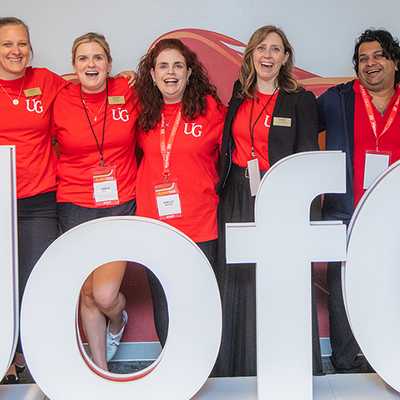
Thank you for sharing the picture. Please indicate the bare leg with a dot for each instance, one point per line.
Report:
(94, 325)
(106, 285)
(100, 298)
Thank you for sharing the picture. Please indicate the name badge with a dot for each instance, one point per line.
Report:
(282, 121)
(105, 189)
(32, 92)
(168, 200)
(253, 170)
(116, 100)
(375, 164)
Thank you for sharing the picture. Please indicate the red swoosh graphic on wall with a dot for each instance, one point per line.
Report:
(222, 57)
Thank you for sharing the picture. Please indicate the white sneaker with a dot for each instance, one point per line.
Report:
(113, 341)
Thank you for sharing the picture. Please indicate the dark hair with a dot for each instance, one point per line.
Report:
(150, 98)
(4, 21)
(390, 47)
(248, 76)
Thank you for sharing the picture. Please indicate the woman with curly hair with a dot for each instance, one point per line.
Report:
(269, 117)
(179, 133)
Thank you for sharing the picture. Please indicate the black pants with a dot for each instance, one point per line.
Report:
(160, 306)
(344, 346)
(71, 215)
(37, 229)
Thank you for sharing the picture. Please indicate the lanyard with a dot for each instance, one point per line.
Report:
(252, 126)
(371, 116)
(100, 147)
(166, 148)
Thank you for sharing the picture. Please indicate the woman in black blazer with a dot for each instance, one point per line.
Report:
(270, 117)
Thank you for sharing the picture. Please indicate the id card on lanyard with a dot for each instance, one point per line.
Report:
(105, 189)
(168, 200)
(167, 193)
(376, 161)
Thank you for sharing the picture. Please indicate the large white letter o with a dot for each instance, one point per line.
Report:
(50, 300)
(372, 275)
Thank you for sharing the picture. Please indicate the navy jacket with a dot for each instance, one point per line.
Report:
(336, 116)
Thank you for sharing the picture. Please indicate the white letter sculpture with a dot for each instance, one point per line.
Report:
(51, 297)
(8, 259)
(372, 275)
(283, 243)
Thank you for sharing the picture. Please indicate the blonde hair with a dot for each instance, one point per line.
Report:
(247, 74)
(91, 37)
(5, 21)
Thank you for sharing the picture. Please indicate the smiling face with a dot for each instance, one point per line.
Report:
(268, 58)
(171, 74)
(92, 67)
(14, 51)
(375, 71)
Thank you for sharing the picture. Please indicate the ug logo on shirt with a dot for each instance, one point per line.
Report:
(267, 122)
(120, 114)
(33, 105)
(193, 129)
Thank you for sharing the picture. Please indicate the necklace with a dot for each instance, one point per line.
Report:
(98, 111)
(15, 100)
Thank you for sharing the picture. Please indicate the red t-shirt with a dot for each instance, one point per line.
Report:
(193, 164)
(263, 106)
(79, 153)
(27, 126)
(364, 138)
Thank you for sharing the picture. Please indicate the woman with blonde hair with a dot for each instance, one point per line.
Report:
(270, 116)
(93, 125)
(26, 100)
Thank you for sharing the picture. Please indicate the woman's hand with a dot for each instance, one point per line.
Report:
(130, 75)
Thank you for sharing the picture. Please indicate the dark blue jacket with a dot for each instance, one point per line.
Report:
(336, 117)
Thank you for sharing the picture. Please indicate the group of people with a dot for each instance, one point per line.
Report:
(169, 149)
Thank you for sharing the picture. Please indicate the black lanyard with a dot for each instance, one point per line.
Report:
(100, 147)
(251, 127)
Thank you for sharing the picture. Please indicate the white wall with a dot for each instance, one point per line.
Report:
(321, 31)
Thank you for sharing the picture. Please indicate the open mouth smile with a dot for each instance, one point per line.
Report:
(170, 81)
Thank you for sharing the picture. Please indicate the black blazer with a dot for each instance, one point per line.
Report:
(302, 135)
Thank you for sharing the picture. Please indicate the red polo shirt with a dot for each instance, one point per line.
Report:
(261, 118)
(364, 138)
(193, 165)
(27, 126)
(78, 150)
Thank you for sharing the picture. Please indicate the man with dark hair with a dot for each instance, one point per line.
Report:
(362, 119)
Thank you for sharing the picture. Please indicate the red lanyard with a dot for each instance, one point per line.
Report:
(166, 148)
(253, 125)
(371, 116)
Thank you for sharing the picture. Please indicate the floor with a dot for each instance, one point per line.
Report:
(332, 386)
(328, 387)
